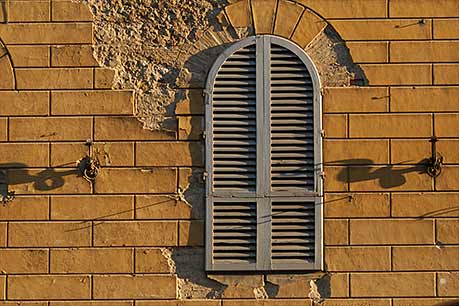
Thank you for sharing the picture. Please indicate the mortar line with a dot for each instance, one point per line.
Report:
(134, 260)
(388, 8)
(297, 23)
(436, 283)
(7, 129)
(49, 260)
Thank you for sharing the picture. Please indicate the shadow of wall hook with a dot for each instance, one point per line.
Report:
(435, 162)
(5, 194)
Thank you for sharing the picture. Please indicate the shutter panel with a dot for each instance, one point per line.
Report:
(234, 123)
(263, 156)
(291, 122)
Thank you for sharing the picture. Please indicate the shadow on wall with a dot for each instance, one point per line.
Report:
(388, 176)
(48, 179)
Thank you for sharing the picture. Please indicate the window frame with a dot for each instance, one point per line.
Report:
(262, 43)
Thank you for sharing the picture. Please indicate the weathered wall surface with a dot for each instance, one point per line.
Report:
(390, 76)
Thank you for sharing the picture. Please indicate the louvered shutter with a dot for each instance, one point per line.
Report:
(263, 159)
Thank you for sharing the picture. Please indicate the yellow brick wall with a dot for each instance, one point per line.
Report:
(391, 232)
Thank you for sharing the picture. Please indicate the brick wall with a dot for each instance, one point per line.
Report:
(391, 232)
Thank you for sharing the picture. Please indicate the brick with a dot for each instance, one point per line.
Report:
(3, 235)
(25, 303)
(369, 52)
(190, 102)
(447, 125)
(309, 26)
(356, 152)
(161, 207)
(424, 99)
(446, 28)
(135, 287)
(103, 78)
(108, 153)
(448, 148)
(49, 287)
(290, 286)
(355, 99)
(92, 260)
(49, 129)
(29, 56)
(424, 51)
(56, 78)
(358, 259)
(398, 74)
(425, 8)
(92, 303)
(335, 126)
(193, 302)
(91, 102)
(252, 302)
(25, 208)
(6, 70)
(336, 178)
(190, 127)
(356, 302)
(348, 9)
(139, 233)
(390, 231)
(46, 33)
(191, 233)
(409, 151)
(33, 11)
(447, 231)
(18, 261)
(393, 284)
(390, 125)
(422, 302)
(49, 234)
(446, 74)
(108, 128)
(3, 129)
(49, 180)
(389, 29)
(29, 155)
(427, 258)
(169, 154)
(239, 14)
(449, 178)
(263, 15)
(154, 180)
(425, 205)
(151, 261)
(356, 205)
(73, 56)
(23, 103)
(336, 232)
(338, 284)
(92, 207)
(287, 17)
(448, 284)
(71, 11)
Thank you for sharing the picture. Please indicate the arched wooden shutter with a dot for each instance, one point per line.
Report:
(263, 165)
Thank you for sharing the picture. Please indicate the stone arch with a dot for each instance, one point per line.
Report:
(285, 18)
(7, 79)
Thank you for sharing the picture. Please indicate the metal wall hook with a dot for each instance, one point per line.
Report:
(89, 165)
(435, 162)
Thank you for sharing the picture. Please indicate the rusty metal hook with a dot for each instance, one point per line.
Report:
(435, 162)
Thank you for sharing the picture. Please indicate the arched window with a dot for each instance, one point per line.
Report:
(263, 159)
